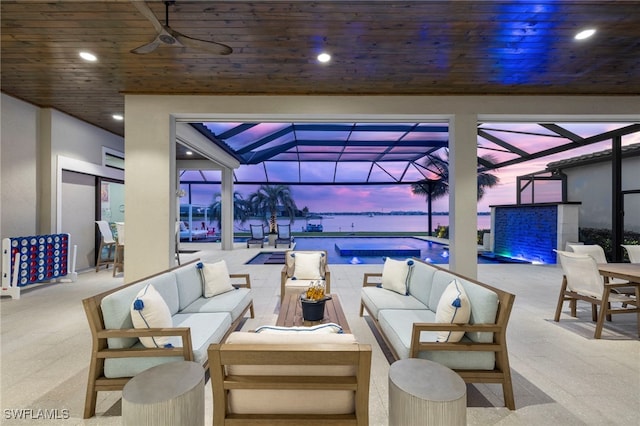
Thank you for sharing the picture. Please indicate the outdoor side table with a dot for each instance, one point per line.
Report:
(423, 392)
(167, 394)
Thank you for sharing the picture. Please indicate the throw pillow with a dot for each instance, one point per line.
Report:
(307, 266)
(330, 327)
(395, 275)
(149, 310)
(215, 278)
(453, 308)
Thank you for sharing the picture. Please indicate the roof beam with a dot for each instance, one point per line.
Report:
(633, 128)
(488, 136)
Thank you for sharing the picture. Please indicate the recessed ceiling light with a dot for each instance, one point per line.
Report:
(88, 56)
(189, 152)
(585, 34)
(324, 57)
(118, 117)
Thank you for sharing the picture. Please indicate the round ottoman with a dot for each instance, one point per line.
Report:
(167, 394)
(424, 392)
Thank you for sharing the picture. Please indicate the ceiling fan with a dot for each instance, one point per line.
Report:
(170, 37)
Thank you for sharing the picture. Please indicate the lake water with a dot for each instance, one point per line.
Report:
(381, 223)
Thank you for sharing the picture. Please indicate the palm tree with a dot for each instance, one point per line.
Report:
(241, 210)
(268, 198)
(438, 188)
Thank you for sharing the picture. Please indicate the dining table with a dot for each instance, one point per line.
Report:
(625, 271)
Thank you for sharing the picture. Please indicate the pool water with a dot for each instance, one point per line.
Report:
(367, 250)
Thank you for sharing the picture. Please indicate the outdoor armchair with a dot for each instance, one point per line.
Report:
(257, 236)
(301, 268)
(284, 235)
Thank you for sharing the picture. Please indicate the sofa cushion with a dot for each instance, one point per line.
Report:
(397, 327)
(215, 278)
(484, 302)
(166, 285)
(206, 328)
(316, 329)
(116, 314)
(395, 275)
(129, 367)
(234, 302)
(299, 285)
(189, 285)
(376, 298)
(149, 310)
(453, 308)
(281, 401)
(397, 324)
(420, 282)
(307, 266)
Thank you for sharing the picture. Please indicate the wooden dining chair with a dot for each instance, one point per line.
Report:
(582, 282)
(633, 251)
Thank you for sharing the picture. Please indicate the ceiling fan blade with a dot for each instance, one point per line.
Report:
(147, 48)
(147, 13)
(202, 45)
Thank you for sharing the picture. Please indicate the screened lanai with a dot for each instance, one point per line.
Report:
(392, 153)
(387, 153)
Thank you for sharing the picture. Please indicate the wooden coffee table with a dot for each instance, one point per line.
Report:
(291, 313)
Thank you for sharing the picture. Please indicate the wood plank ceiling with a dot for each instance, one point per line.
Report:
(378, 47)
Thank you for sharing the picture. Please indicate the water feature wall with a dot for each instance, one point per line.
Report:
(532, 231)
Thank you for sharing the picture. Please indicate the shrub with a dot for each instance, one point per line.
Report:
(603, 237)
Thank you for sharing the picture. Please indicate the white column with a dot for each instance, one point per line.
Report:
(463, 190)
(150, 189)
(227, 208)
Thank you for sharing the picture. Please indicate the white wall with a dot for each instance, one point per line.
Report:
(591, 185)
(18, 168)
(33, 143)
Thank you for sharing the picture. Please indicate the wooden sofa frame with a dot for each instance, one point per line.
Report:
(100, 351)
(357, 355)
(501, 372)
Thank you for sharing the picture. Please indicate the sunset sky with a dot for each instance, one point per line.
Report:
(385, 198)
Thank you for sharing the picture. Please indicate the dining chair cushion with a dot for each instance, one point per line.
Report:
(215, 278)
(307, 266)
(149, 310)
(395, 275)
(454, 308)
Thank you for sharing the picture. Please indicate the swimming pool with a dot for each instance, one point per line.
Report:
(368, 250)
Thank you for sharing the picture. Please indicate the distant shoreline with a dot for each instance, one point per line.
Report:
(392, 213)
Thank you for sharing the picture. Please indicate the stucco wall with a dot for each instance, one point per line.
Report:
(18, 168)
(591, 185)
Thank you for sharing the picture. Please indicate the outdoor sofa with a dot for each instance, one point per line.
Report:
(407, 322)
(194, 323)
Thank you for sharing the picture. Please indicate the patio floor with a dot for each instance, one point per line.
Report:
(561, 374)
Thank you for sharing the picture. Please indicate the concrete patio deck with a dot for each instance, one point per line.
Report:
(562, 375)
